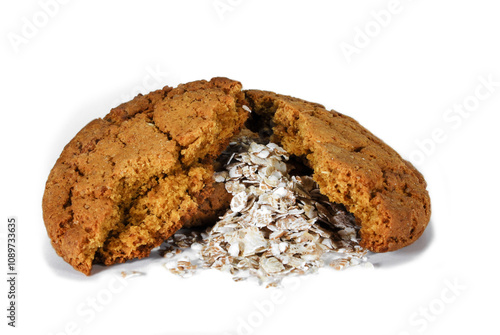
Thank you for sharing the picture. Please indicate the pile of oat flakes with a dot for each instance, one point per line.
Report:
(277, 225)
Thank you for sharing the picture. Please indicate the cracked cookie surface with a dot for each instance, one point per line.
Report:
(386, 194)
(127, 182)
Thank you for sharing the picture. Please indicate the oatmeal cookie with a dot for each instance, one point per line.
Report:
(353, 167)
(127, 182)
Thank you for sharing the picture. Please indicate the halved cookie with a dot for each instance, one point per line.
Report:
(386, 194)
(127, 182)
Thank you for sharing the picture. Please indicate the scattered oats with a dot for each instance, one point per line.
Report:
(253, 241)
(234, 250)
(221, 177)
(182, 267)
(239, 202)
(264, 154)
(272, 284)
(231, 158)
(277, 224)
(271, 265)
(130, 274)
(340, 264)
(245, 107)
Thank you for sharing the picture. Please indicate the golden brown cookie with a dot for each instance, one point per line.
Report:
(386, 194)
(127, 182)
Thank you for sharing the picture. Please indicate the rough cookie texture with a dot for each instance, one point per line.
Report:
(386, 194)
(127, 182)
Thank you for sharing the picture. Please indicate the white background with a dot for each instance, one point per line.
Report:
(427, 57)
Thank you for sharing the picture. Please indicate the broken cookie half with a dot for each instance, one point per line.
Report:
(129, 181)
